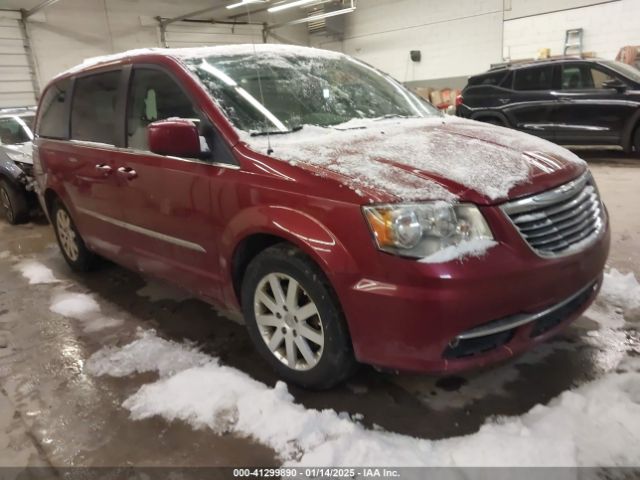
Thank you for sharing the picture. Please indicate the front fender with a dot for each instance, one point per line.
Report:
(296, 227)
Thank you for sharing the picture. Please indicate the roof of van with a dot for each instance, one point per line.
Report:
(263, 49)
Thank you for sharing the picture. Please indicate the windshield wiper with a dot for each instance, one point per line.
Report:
(297, 128)
(395, 115)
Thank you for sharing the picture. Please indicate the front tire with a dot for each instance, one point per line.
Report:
(14, 203)
(294, 319)
(73, 248)
(636, 141)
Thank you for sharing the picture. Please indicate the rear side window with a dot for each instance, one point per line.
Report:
(534, 78)
(495, 78)
(93, 110)
(52, 114)
(154, 95)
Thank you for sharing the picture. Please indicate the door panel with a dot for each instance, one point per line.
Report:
(168, 200)
(91, 182)
(587, 111)
(530, 106)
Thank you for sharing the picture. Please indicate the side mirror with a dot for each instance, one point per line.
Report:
(177, 137)
(615, 84)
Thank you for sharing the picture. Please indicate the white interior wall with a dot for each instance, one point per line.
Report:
(463, 37)
(69, 31)
(607, 27)
(455, 37)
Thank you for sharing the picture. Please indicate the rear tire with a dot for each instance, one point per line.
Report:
(636, 141)
(14, 203)
(73, 248)
(493, 121)
(294, 319)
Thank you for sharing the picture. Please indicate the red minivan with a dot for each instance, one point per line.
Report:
(348, 219)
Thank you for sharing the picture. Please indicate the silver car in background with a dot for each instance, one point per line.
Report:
(17, 187)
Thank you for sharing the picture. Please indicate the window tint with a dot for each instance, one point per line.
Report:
(599, 77)
(534, 78)
(14, 130)
(52, 115)
(93, 110)
(154, 96)
(576, 77)
(488, 79)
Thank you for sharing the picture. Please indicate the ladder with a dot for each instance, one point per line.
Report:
(573, 41)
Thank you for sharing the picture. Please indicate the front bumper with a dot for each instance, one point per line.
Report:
(429, 320)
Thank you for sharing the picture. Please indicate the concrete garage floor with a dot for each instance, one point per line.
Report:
(52, 413)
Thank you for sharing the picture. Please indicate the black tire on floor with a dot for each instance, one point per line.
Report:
(334, 362)
(71, 244)
(13, 203)
(636, 141)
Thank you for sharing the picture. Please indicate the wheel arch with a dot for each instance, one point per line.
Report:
(632, 125)
(261, 227)
(483, 116)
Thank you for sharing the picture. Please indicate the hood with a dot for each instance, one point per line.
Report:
(22, 152)
(443, 158)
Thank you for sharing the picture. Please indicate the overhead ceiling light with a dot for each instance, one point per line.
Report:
(244, 2)
(284, 6)
(320, 16)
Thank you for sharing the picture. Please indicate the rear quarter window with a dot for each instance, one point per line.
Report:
(52, 114)
(491, 79)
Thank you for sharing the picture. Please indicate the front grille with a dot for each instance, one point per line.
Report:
(561, 221)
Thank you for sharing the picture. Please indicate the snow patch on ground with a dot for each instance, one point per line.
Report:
(83, 308)
(466, 248)
(194, 388)
(146, 354)
(35, 272)
(621, 289)
(5, 254)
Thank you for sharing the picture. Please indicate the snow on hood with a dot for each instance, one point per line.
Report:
(408, 157)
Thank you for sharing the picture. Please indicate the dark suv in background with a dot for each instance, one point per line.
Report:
(570, 101)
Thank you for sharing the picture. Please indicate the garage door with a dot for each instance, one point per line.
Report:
(191, 34)
(16, 87)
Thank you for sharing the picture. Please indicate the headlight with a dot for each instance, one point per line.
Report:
(422, 229)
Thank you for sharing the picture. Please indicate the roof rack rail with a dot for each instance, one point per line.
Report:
(523, 61)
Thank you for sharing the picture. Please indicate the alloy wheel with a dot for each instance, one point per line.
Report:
(289, 321)
(67, 235)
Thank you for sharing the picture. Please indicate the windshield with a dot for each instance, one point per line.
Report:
(628, 71)
(16, 129)
(269, 92)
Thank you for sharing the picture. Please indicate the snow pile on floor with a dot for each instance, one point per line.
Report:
(466, 248)
(83, 308)
(617, 303)
(621, 289)
(147, 354)
(593, 425)
(35, 272)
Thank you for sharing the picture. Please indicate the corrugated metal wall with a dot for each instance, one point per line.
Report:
(16, 85)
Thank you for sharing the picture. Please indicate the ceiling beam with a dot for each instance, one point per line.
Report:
(37, 8)
(168, 21)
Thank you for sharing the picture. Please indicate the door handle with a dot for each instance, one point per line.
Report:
(128, 172)
(104, 169)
